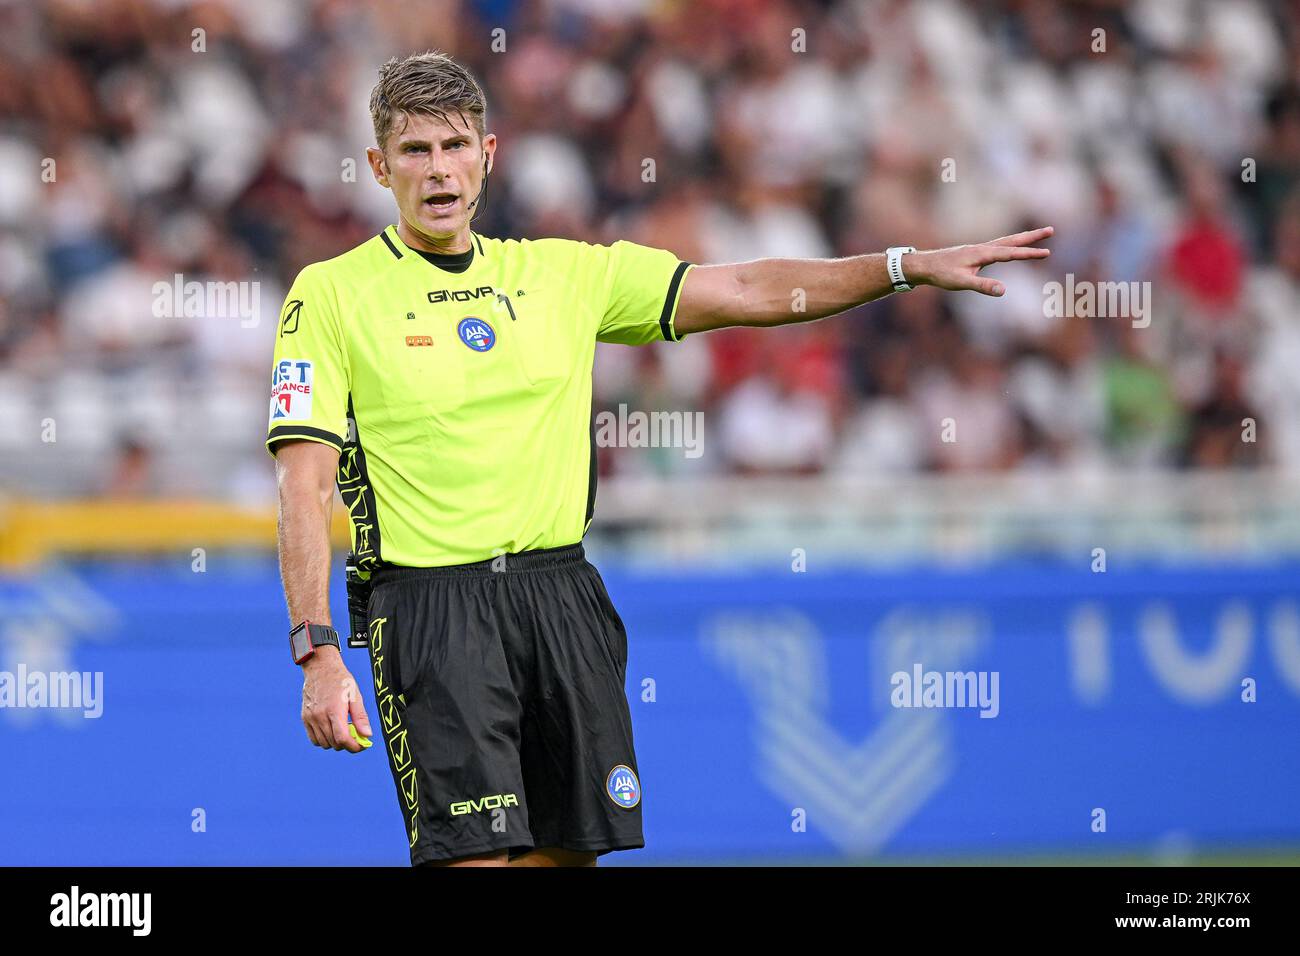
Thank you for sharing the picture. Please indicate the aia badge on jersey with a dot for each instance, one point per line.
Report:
(623, 787)
(477, 334)
(291, 391)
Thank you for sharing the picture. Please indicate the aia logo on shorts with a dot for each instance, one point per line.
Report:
(477, 334)
(623, 787)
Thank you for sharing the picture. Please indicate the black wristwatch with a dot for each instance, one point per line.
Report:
(306, 637)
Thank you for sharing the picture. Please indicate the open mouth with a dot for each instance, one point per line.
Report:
(441, 200)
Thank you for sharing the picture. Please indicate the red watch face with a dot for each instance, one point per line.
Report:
(300, 643)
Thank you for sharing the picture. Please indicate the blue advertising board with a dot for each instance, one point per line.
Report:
(829, 715)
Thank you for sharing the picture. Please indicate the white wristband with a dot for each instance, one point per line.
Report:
(894, 265)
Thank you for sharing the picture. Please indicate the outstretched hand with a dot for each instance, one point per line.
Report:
(958, 267)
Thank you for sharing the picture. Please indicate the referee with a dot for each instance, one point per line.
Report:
(442, 380)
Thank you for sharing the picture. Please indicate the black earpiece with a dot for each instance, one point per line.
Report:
(482, 189)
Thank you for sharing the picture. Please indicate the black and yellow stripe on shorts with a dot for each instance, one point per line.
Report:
(390, 714)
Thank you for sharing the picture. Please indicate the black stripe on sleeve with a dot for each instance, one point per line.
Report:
(281, 432)
(389, 243)
(664, 326)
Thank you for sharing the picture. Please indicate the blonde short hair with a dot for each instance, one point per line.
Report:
(431, 84)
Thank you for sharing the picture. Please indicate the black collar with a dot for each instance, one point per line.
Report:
(450, 262)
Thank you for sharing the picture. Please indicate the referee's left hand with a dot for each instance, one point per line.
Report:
(329, 697)
(958, 268)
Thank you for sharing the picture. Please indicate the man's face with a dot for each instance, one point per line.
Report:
(435, 171)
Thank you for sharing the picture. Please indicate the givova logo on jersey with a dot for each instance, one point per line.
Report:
(291, 390)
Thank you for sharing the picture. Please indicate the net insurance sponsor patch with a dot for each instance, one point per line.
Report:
(291, 391)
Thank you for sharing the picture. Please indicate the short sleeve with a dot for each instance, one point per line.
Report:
(644, 286)
(309, 372)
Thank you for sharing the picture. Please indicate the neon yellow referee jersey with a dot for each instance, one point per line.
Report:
(460, 401)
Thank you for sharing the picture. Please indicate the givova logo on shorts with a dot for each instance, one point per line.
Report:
(495, 801)
(399, 751)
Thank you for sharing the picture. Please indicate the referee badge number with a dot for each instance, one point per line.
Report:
(623, 787)
(476, 333)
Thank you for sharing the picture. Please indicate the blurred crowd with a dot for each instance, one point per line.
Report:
(161, 141)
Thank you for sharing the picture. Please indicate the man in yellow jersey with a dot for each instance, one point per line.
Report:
(443, 380)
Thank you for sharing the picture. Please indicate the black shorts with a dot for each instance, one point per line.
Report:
(502, 704)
